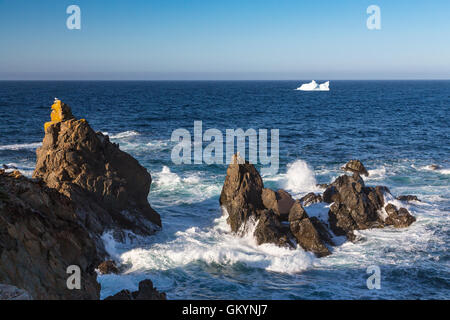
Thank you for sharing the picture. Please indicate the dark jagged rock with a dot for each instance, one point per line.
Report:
(107, 267)
(355, 166)
(40, 237)
(310, 199)
(322, 185)
(434, 167)
(280, 202)
(270, 230)
(398, 218)
(407, 198)
(324, 235)
(242, 195)
(109, 186)
(146, 292)
(355, 206)
(304, 231)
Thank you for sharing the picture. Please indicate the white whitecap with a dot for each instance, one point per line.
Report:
(22, 146)
(125, 134)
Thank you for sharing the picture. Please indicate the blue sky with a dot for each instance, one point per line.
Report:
(245, 39)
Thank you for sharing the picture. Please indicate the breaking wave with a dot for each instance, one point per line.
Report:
(125, 134)
(22, 146)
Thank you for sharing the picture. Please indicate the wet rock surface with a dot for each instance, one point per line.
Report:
(247, 201)
(146, 292)
(354, 206)
(108, 267)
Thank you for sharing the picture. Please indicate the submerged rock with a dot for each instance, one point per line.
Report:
(408, 198)
(146, 292)
(109, 187)
(40, 237)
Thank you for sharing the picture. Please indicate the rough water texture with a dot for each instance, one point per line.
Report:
(398, 129)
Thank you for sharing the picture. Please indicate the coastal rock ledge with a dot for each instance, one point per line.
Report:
(282, 220)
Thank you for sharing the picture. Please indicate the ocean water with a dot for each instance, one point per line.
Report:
(396, 128)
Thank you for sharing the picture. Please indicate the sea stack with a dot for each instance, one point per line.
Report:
(108, 186)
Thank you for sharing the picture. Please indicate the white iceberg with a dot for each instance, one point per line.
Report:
(314, 86)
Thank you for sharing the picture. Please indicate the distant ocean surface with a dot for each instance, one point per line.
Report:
(396, 128)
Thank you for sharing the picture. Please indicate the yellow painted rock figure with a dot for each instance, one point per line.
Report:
(60, 112)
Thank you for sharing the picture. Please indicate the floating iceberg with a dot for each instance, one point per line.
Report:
(314, 86)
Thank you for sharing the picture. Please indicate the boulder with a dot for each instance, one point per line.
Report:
(355, 206)
(304, 231)
(108, 186)
(146, 292)
(311, 198)
(107, 267)
(408, 198)
(355, 166)
(398, 218)
(40, 237)
(270, 230)
(280, 202)
(241, 195)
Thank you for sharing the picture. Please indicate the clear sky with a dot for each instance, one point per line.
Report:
(231, 39)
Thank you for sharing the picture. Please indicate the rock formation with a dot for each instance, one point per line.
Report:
(246, 200)
(282, 220)
(305, 232)
(107, 267)
(279, 201)
(408, 198)
(242, 195)
(83, 185)
(357, 207)
(108, 186)
(146, 292)
(355, 166)
(40, 237)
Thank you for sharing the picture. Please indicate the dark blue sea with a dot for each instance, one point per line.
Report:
(398, 129)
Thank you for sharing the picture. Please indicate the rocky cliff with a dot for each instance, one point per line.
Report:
(83, 185)
(110, 187)
(40, 237)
